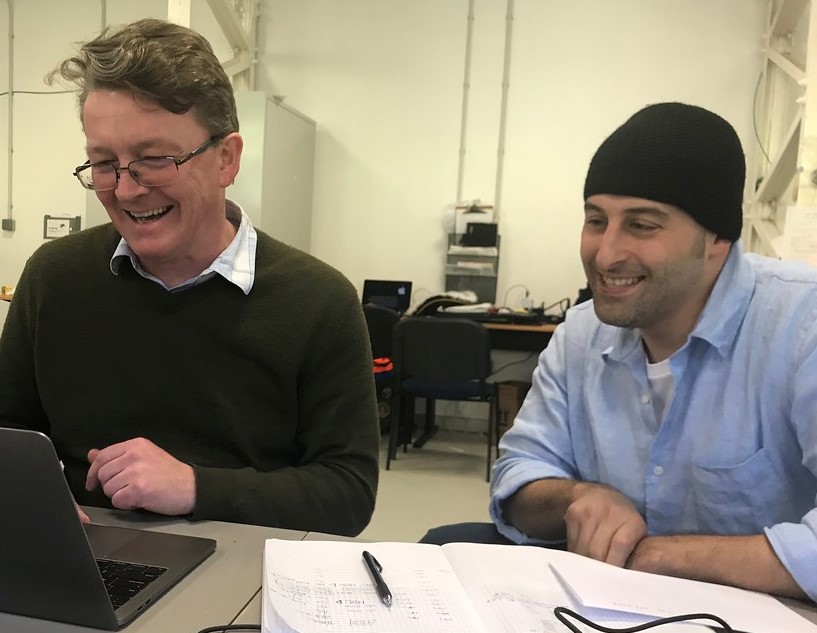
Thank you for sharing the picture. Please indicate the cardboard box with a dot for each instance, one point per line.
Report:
(510, 396)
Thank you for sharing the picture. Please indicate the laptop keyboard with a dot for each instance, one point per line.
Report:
(124, 580)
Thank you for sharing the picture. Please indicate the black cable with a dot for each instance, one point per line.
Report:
(527, 292)
(754, 118)
(516, 362)
(562, 612)
(231, 627)
(563, 305)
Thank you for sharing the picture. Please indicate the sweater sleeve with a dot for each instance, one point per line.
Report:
(332, 488)
(20, 404)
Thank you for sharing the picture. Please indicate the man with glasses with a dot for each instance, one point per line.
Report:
(181, 361)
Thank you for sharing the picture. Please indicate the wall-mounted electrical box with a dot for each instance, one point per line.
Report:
(55, 226)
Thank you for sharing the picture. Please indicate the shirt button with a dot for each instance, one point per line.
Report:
(645, 399)
(658, 471)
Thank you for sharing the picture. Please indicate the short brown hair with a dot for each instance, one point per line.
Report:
(169, 64)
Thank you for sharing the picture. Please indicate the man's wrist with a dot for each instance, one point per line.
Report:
(580, 488)
(646, 556)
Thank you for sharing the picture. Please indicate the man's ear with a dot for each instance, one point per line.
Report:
(720, 248)
(230, 155)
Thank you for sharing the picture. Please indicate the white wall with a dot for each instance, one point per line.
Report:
(384, 80)
(47, 139)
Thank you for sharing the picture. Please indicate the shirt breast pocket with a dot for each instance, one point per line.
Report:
(736, 499)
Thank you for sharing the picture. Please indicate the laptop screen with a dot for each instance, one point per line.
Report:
(395, 295)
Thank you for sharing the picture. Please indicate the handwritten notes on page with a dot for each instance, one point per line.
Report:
(317, 587)
(514, 589)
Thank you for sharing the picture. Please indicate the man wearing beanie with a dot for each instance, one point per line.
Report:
(672, 422)
(671, 425)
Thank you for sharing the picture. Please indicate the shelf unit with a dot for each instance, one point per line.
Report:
(785, 172)
(472, 268)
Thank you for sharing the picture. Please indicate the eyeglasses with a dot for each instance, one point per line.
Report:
(151, 171)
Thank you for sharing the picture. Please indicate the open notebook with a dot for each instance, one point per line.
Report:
(322, 586)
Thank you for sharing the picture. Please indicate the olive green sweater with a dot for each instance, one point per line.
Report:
(269, 396)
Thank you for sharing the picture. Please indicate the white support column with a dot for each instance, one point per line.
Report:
(237, 19)
(178, 12)
(807, 182)
(785, 109)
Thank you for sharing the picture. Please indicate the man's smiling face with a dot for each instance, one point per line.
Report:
(649, 264)
(166, 225)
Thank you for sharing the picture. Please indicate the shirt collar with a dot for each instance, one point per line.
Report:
(721, 317)
(727, 304)
(236, 263)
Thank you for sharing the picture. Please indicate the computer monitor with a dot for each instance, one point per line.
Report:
(395, 295)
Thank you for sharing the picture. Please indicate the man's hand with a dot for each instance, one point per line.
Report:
(603, 524)
(139, 474)
(83, 518)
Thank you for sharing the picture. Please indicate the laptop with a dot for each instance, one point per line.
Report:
(479, 234)
(52, 567)
(395, 295)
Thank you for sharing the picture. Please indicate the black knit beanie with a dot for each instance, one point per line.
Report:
(677, 154)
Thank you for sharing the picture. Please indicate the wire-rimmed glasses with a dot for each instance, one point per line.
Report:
(151, 171)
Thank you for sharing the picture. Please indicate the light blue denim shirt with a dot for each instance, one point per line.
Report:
(236, 263)
(737, 451)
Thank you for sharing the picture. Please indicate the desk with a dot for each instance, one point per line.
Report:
(808, 611)
(525, 338)
(212, 594)
(224, 589)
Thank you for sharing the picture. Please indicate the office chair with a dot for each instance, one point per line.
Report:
(380, 322)
(440, 359)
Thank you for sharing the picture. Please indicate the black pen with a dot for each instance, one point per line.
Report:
(374, 571)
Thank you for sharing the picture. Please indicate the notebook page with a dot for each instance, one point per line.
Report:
(514, 590)
(323, 586)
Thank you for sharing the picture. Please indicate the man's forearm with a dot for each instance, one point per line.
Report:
(538, 509)
(741, 561)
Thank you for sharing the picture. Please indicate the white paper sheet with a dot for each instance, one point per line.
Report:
(603, 586)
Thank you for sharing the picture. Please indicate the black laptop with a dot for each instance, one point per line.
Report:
(395, 295)
(53, 567)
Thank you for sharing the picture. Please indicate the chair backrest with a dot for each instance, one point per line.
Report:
(441, 349)
(380, 322)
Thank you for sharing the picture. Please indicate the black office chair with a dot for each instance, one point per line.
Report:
(380, 322)
(440, 359)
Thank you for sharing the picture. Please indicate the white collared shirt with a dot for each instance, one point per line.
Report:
(236, 263)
